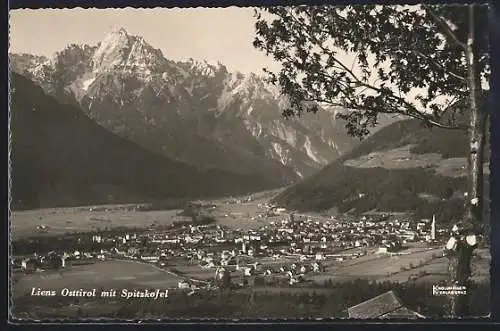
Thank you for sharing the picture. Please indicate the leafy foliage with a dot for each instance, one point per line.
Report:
(372, 59)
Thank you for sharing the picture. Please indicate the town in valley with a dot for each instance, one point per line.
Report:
(299, 162)
(201, 249)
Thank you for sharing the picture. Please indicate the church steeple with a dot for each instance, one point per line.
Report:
(433, 227)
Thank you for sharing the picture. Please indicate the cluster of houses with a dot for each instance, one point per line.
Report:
(290, 235)
(53, 260)
(298, 245)
(304, 234)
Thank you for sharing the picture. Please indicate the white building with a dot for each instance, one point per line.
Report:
(320, 257)
(248, 271)
(183, 285)
(150, 258)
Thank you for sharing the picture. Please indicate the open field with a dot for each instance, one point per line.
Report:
(389, 264)
(108, 275)
(390, 268)
(240, 215)
(258, 197)
(64, 220)
(85, 218)
(402, 157)
(194, 271)
(70, 219)
(437, 270)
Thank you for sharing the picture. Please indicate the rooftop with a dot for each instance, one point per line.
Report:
(386, 305)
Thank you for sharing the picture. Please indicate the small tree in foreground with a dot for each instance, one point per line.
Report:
(425, 62)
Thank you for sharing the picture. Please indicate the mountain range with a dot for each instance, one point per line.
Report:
(118, 121)
(194, 112)
(61, 157)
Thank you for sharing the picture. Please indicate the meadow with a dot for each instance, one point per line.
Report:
(87, 218)
(77, 219)
(112, 274)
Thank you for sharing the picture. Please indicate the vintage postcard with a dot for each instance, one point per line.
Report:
(249, 163)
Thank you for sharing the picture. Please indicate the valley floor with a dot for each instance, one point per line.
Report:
(417, 267)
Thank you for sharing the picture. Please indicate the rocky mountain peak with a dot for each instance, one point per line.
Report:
(121, 51)
(120, 31)
(132, 89)
(249, 86)
(206, 68)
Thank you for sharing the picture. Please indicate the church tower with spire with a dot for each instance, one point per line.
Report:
(433, 228)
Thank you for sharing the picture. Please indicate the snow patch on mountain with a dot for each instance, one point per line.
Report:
(204, 68)
(287, 134)
(86, 83)
(81, 85)
(280, 152)
(254, 128)
(331, 143)
(250, 110)
(312, 154)
(37, 68)
(190, 89)
(40, 68)
(227, 96)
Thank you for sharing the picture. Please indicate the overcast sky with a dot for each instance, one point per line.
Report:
(219, 34)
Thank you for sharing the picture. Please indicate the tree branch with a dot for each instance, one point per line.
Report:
(407, 108)
(462, 78)
(424, 118)
(417, 115)
(444, 26)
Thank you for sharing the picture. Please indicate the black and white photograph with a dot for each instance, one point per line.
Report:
(249, 163)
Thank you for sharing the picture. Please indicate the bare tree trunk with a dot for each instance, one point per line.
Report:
(477, 130)
(460, 260)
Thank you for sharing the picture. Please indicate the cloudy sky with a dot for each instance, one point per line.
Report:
(220, 34)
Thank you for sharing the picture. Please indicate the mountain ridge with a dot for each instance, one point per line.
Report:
(132, 89)
(60, 157)
(404, 167)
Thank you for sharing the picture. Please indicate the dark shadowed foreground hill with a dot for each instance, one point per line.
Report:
(61, 157)
(403, 167)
